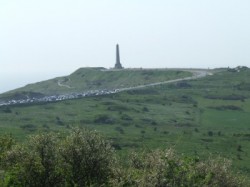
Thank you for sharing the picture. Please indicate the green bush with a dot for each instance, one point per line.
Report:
(6, 143)
(88, 159)
(104, 119)
(35, 163)
(29, 127)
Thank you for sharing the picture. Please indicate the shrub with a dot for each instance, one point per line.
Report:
(120, 130)
(182, 84)
(243, 86)
(104, 119)
(126, 117)
(29, 127)
(210, 133)
(34, 164)
(6, 143)
(219, 133)
(145, 109)
(196, 130)
(143, 132)
(88, 159)
(6, 110)
(239, 148)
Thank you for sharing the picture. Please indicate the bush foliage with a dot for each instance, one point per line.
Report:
(165, 168)
(84, 158)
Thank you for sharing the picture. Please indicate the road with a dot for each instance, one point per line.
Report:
(196, 75)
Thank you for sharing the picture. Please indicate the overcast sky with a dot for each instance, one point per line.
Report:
(48, 38)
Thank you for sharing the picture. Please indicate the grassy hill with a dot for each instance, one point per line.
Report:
(198, 117)
(85, 79)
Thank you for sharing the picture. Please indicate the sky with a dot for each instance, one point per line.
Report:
(44, 39)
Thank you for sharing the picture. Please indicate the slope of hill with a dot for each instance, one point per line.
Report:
(85, 79)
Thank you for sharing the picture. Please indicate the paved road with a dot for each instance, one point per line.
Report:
(196, 75)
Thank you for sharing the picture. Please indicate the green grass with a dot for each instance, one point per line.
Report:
(196, 120)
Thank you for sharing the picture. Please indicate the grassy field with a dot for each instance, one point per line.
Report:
(208, 116)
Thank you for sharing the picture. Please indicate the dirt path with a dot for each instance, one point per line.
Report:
(59, 83)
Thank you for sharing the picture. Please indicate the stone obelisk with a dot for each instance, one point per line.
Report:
(118, 63)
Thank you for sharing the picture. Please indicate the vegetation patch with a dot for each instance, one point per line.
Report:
(59, 121)
(182, 99)
(126, 117)
(117, 108)
(120, 130)
(226, 97)
(5, 110)
(104, 119)
(29, 127)
(143, 92)
(183, 84)
(226, 107)
(243, 86)
(184, 124)
(26, 119)
(149, 121)
(207, 139)
(242, 135)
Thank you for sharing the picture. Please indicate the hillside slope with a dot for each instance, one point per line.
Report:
(85, 79)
